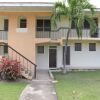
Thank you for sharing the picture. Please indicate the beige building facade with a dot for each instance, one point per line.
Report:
(26, 27)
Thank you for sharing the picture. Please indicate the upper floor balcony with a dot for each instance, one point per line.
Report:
(61, 33)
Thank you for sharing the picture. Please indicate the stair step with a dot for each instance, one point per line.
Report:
(27, 76)
(22, 69)
(30, 74)
(26, 72)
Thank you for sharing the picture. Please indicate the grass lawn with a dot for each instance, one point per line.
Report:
(11, 90)
(78, 85)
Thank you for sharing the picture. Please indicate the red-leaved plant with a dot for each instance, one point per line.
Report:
(9, 69)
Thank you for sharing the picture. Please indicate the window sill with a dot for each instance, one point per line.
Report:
(21, 30)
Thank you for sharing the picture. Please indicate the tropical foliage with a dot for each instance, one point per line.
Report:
(75, 11)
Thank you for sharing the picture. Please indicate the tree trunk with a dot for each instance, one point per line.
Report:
(65, 51)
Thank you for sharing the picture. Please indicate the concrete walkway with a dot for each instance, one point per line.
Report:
(40, 89)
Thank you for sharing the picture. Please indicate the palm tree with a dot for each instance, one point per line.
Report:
(74, 10)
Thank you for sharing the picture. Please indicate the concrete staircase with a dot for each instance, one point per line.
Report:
(27, 67)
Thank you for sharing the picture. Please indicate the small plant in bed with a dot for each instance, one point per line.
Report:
(9, 69)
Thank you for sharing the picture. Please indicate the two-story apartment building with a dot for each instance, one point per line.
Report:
(27, 29)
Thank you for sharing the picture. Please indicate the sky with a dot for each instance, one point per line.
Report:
(94, 2)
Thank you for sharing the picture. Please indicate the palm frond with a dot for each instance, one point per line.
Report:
(79, 26)
(87, 5)
(92, 24)
(59, 10)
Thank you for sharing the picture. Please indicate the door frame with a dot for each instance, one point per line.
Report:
(55, 47)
